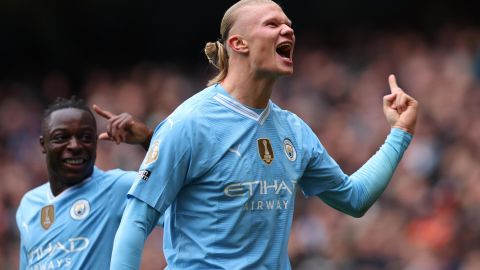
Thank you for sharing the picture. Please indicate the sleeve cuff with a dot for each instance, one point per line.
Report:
(399, 137)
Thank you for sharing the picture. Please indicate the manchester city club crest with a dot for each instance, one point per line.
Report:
(80, 209)
(265, 150)
(47, 216)
(289, 150)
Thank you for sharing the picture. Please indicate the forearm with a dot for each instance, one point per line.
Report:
(137, 222)
(362, 188)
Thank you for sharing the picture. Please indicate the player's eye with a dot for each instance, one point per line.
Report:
(58, 138)
(271, 24)
(86, 137)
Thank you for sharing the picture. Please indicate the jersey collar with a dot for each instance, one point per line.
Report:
(238, 107)
(52, 198)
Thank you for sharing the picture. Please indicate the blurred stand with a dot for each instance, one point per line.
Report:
(427, 218)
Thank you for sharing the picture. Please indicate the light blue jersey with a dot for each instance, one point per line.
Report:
(230, 174)
(74, 230)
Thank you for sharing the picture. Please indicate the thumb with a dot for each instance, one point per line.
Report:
(104, 136)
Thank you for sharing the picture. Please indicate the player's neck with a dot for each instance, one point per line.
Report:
(249, 90)
(59, 184)
(57, 187)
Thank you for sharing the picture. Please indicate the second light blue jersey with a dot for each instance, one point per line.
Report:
(74, 230)
(229, 173)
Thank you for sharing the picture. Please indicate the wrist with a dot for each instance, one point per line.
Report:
(408, 130)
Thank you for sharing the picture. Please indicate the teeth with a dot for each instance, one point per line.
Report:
(74, 161)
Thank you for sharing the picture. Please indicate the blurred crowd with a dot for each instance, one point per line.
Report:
(427, 219)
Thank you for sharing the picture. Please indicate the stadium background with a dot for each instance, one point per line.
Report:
(145, 57)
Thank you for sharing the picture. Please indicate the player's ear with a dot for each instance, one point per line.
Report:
(237, 44)
(42, 144)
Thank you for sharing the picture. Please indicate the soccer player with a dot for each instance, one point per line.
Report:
(70, 221)
(231, 160)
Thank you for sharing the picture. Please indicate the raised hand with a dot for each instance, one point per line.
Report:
(399, 108)
(123, 128)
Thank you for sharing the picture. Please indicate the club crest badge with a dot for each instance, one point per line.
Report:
(47, 216)
(152, 154)
(265, 150)
(80, 209)
(289, 150)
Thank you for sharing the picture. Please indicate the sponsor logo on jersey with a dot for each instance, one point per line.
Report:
(47, 216)
(80, 209)
(265, 150)
(262, 187)
(263, 195)
(289, 150)
(56, 254)
(152, 154)
(144, 175)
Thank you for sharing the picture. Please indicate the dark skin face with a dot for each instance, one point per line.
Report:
(69, 143)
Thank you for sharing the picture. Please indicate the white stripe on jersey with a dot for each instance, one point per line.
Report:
(241, 109)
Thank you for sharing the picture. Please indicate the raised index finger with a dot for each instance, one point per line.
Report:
(103, 113)
(393, 84)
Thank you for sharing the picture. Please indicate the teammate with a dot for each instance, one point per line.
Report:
(70, 221)
(231, 160)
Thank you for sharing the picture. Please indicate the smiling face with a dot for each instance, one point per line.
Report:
(269, 38)
(69, 141)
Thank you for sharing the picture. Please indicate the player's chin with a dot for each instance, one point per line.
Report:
(289, 72)
(78, 171)
(72, 178)
(285, 71)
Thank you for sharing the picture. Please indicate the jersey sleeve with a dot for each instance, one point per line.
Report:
(164, 169)
(356, 193)
(23, 259)
(121, 185)
(322, 172)
(137, 223)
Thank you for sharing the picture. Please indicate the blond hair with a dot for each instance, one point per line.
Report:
(216, 52)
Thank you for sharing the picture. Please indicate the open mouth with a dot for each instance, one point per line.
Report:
(285, 50)
(75, 161)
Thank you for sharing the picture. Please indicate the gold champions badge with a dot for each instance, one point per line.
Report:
(47, 216)
(265, 150)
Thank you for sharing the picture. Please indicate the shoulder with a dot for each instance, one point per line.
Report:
(190, 117)
(36, 196)
(192, 107)
(115, 180)
(288, 117)
(114, 175)
(300, 132)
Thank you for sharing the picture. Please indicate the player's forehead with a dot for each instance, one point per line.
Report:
(261, 12)
(70, 117)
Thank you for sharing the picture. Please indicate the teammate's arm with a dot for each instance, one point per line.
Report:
(137, 223)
